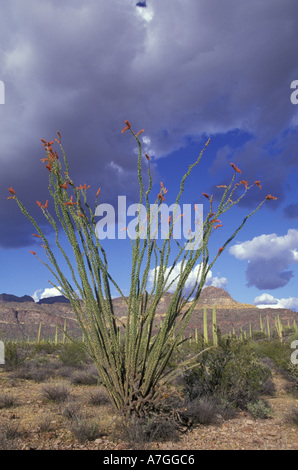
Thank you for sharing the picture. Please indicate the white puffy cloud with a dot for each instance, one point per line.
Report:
(193, 277)
(269, 301)
(48, 292)
(269, 257)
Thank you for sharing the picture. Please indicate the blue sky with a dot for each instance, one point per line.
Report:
(184, 71)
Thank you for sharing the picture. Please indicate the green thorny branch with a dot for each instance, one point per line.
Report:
(131, 357)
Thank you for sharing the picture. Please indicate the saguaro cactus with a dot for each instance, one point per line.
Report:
(214, 327)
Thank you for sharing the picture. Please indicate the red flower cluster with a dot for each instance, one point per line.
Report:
(235, 168)
(43, 206)
(83, 186)
(163, 191)
(70, 202)
(12, 191)
(128, 126)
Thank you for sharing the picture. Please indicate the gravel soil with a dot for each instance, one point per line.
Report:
(36, 423)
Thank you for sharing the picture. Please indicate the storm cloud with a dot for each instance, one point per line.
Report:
(178, 68)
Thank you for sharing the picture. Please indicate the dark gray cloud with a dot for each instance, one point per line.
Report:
(177, 69)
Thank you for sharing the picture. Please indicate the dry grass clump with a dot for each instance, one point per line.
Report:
(140, 432)
(7, 400)
(56, 393)
(9, 432)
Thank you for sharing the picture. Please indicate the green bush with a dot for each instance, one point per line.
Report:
(16, 354)
(230, 372)
(260, 409)
(72, 354)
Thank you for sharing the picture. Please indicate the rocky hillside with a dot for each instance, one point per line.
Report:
(20, 318)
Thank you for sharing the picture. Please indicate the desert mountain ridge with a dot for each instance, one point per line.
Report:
(27, 298)
(21, 317)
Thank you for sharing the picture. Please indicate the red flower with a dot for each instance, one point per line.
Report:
(128, 126)
(83, 186)
(70, 202)
(235, 168)
(12, 191)
(221, 249)
(43, 206)
(245, 183)
(160, 196)
(59, 137)
(98, 191)
(270, 197)
(36, 235)
(206, 195)
(147, 156)
(258, 183)
(140, 132)
(33, 252)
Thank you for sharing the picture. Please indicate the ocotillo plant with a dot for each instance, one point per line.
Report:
(133, 364)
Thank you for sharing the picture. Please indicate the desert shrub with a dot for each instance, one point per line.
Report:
(16, 354)
(46, 347)
(280, 356)
(45, 423)
(9, 432)
(73, 355)
(230, 372)
(35, 371)
(203, 410)
(292, 376)
(273, 349)
(7, 400)
(72, 410)
(139, 432)
(82, 427)
(56, 393)
(85, 429)
(292, 416)
(85, 377)
(99, 397)
(260, 409)
(257, 334)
